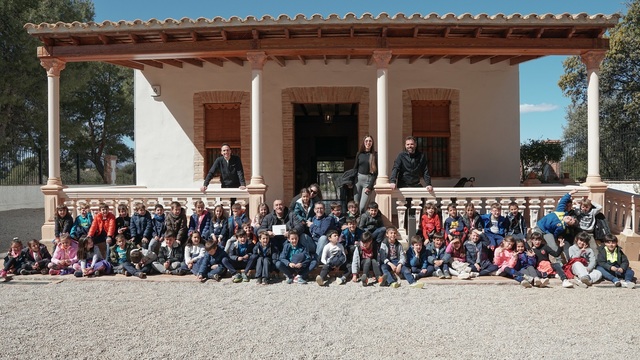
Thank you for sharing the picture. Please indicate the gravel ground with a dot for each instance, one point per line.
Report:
(164, 318)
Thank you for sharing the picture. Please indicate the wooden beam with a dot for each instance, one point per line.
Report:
(351, 32)
(223, 33)
(235, 60)
(46, 40)
(164, 37)
(129, 64)
(446, 32)
(279, 60)
(500, 58)
(477, 32)
(287, 34)
(194, 62)
(214, 61)
(393, 58)
(477, 59)
(520, 59)
(319, 32)
(433, 59)
(134, 38)
(455, 59)
(153, 63)
(416, 31)
(171, 62)
(194, 35)
(302, 59)
(105, 39)
(413, 59)
(508, 32)
(571, 31)
(538, 33)
(75, 40)
(384, 31)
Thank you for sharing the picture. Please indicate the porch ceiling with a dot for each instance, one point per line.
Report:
(514, 38)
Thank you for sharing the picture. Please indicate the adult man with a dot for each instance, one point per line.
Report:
(408, 167)
(279, 216)
(230, 168)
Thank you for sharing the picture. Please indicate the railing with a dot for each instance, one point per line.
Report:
(623, 211)
(533, 202)
(130, 195)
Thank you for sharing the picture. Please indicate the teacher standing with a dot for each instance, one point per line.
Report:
(230, 169)
(366, 165)
(409, 167)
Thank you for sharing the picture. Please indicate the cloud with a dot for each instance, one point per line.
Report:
(544, 107)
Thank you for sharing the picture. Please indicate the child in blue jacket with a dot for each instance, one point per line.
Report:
(215, 263)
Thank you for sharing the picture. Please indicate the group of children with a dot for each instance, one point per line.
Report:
(356, 248)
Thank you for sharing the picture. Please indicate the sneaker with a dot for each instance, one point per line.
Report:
(567, 284)
(630, 285)
(245, 278)
(44, 271)
(439, 274)
(617, 283)
(259, 281)
(364, 280)
(289, 280)
(341, 280)
(301, 280)
(383, 280)
(537, 282)
(295, 278)
(474, 274)
(142, 275)
(530, 279)
(464, 276)
(65, 272)
(98, 273)
(394, 285)
(586, 280)
(580, 284)
(525, 284)
(127, 274)
(265, 281)
(447, 275)
(77, 273)
(544, 283)
(216, 277)
(320, 281)
(237, 278)
(417, 285)
(54, 272)
(3, 273)
(25, 272)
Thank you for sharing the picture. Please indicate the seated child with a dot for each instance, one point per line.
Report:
(430, 223)
(215, 263)
(495, 226)
(417, 257)
(437, 258)
(103, 229)
(36, 258)
(582, 261)
(119, 254)
(141, 226)
(336, 213)
(248, 230)
(586, 220)
(237, 218)
(614, 264)
(63, 223)
(159, 228)
(138, 265)
(219, 225)
(350, 236)
(200, 220)
(266, 257)
(294, 258)
(65, 255)
(333, 258)
(517, 227)
(170, 256)
(371, 221)
(506, 259)
(477, 256)
(454, 225)
(393, 260)
(544, 265)
(241, 255)
(90, 259)
(176, 222)
(193, 253)
(459, 266)
(123, 222)
(365, 258)
(263, 210)
(83, 221)
(352, 211)
(526, 264)
(319, 225)
(13, 261)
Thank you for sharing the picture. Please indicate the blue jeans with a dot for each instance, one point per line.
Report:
(289, 272)
(406, 272)
(616, 276)
(432, 268)
(320, 243)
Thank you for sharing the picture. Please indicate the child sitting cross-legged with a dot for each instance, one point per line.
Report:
(438, 259)
(582, 261)
(393, 261)
(506, 259)
(36, 258)
(294, 258)
(417, 258)
(241, 255)
(90, 259)
(365, 258)
(459, 266)
(543, 263)
(215, 263)
(614, 264)
(193, 253)
(138, 264)
(13, 260)
(65, 255)
(333, 257)
(170, 255)
(477, 256)
(526, 264)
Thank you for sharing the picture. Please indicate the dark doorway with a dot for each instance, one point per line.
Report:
(326, 138)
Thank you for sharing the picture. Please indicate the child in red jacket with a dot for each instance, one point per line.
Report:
(430, 222)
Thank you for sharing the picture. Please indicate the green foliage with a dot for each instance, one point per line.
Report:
(534, 154)
(619, 103)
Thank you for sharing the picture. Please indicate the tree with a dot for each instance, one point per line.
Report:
(534, 154)
(98, 115)
(619, 101)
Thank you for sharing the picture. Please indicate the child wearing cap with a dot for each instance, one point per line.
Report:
(613, 263)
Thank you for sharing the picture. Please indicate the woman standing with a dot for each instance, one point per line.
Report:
(367, 166)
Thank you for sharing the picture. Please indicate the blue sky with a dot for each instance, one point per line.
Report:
(542, 105)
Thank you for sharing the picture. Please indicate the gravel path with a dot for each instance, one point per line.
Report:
(152, 319)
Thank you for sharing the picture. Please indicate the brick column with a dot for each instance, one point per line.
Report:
(257, 187)
(53, 195)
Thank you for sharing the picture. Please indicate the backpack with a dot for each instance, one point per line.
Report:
(601, 227)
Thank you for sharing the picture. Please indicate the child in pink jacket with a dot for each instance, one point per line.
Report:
(505, 257)
(65, 256)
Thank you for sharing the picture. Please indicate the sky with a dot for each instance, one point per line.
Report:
(542, 105)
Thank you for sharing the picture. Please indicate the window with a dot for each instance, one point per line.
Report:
(431, 128)
(222, 125)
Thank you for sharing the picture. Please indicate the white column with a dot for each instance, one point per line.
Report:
(592, 60)
(53, 67)
(257, 60)
(382, 59)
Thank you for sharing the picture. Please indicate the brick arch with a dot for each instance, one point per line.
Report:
(452, 95)
(316, 95)
(220, 97)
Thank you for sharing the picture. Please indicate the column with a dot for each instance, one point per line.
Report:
(382, 188)
(257, 187)
(592, 60)
(52, 191)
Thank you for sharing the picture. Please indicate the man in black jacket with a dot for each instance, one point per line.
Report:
(230, 169)
(409, 166)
